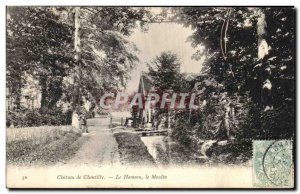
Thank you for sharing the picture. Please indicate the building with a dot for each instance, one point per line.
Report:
(144, 118)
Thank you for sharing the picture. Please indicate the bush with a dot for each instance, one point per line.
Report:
(188, 129)
(235, 152)
(38, 117)
(273, 124)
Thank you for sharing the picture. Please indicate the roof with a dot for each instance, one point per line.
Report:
(145, 84)
(190, 76)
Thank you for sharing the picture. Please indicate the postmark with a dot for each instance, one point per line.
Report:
(272, 163)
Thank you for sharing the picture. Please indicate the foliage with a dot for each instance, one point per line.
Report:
(105, 56)
(234, 153)
(31, 118)
(164, 71)
(188, 128)
(41, 43)
(38, 44)
(238, 70)
(278, 124)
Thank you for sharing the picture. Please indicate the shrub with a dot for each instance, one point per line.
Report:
(38, 117)
(235, 152)
(272, 124)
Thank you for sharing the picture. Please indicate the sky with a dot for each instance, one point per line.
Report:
(163, 37)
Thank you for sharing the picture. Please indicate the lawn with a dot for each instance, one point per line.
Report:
(45, 145)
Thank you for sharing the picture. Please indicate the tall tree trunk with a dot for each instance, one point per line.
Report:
(263, 50)
(77, 42)
(76, 94)
(77, 28)
(44, 97)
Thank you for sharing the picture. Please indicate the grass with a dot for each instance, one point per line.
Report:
(43, 145)
(132, 150)
(37, 135)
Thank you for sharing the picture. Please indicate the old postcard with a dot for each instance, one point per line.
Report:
(150, 97)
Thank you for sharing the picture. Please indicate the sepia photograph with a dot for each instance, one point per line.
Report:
(150, 97)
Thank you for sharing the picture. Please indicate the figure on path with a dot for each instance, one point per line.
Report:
(83, 123)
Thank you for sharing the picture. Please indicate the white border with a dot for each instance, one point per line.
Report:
(112, 2)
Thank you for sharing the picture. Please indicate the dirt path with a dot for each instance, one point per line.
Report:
(101, 149)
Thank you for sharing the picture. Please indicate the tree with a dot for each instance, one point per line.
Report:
(230, 36)
(41, 43)
(104, 55)
(38, 44)
(164, 71)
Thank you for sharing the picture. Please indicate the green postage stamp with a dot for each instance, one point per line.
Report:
(273, 163)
